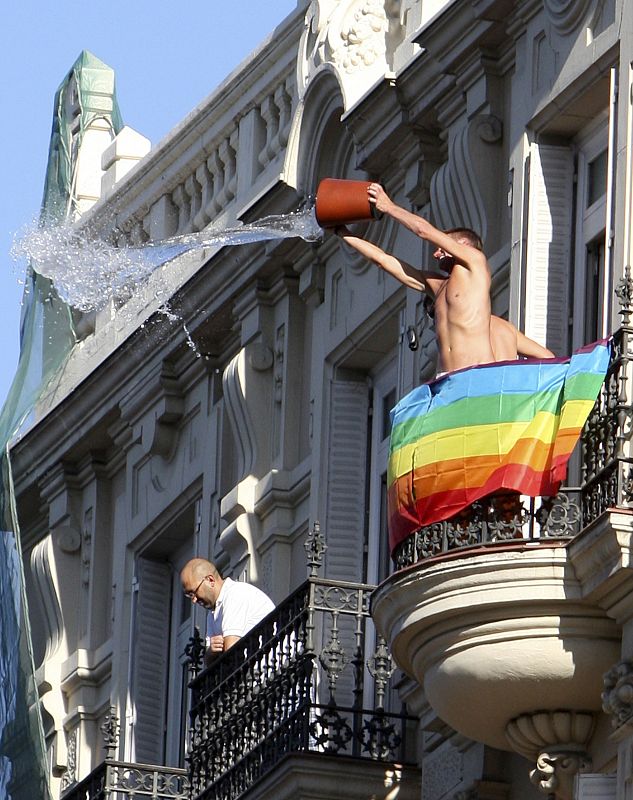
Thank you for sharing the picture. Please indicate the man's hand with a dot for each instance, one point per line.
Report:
(215, 646)
(379, 198)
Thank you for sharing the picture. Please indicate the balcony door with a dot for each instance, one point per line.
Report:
(383, 399)
(178, 694)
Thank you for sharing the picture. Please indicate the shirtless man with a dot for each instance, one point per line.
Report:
(460, 290)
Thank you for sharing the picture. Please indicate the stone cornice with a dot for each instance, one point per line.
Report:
(454, 33)
(86, 668)
(322, 777)
(602, 558)
(282, 488)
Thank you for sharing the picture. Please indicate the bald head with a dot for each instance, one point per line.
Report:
(196, 570)
(201, 582)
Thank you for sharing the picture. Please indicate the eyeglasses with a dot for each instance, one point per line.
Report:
(194, 594)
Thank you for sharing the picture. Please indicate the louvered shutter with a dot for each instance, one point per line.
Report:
(596, 786)
(149, 672)
(549, 241)
(346, 479)
(344, 527)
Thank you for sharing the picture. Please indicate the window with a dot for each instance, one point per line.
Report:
(589, 283)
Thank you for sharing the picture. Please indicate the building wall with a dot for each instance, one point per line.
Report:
(147, 451)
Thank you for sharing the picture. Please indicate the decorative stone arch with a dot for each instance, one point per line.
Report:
(317, 124)
(322, 146)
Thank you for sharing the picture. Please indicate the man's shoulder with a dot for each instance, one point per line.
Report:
(243, 589)
(477, 272)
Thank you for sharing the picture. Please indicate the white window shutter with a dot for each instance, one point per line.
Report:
(549, 240)
(149, 672)
(347, 474)
(595, 786)
(344, 524)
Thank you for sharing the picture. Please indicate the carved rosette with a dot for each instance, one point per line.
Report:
(617, 698)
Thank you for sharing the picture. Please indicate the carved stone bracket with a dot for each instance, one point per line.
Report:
(565, 15)
(558, 741)
(461, 189)
(549, 731)
(556, 770)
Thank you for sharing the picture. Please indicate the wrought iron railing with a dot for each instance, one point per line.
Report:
(312, 677)
(116, 780)
(605, 467)
(499, 518)
(119, 780)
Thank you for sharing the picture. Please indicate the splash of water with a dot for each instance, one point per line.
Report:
(87, 273)
(170, 315)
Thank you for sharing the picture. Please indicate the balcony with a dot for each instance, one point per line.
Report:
(122, 780)
(304, 702)
(509, 615)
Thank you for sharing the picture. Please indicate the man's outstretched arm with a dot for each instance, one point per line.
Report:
(403, 272)
(465, 254)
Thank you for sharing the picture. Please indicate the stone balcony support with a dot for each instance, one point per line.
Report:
(511, 641)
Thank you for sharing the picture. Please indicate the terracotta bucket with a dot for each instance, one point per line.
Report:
(341, 202)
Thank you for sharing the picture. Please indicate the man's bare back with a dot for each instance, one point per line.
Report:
(509, 343)
(460, 290)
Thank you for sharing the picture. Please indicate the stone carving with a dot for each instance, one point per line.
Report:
(555, 772)
(86, 547)
(70, 775)
(460, 187)
(67, 537)
(557, 740)
(352, 37)
(52, 618)
(280, 346)
(565, 15)
(617, 698)
(550, 731)
(362, 37)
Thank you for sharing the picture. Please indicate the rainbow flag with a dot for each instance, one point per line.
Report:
(511, 425)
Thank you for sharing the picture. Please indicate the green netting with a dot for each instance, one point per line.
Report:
(46, 339)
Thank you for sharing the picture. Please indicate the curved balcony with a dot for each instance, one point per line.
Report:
(497, 634)
(508, 615)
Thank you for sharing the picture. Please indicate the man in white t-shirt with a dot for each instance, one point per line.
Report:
(234, 607)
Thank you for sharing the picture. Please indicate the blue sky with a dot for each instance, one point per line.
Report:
(167, 58)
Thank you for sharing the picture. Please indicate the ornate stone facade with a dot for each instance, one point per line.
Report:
(261, 404)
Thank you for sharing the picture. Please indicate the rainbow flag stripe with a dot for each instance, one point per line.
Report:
(511, 425)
